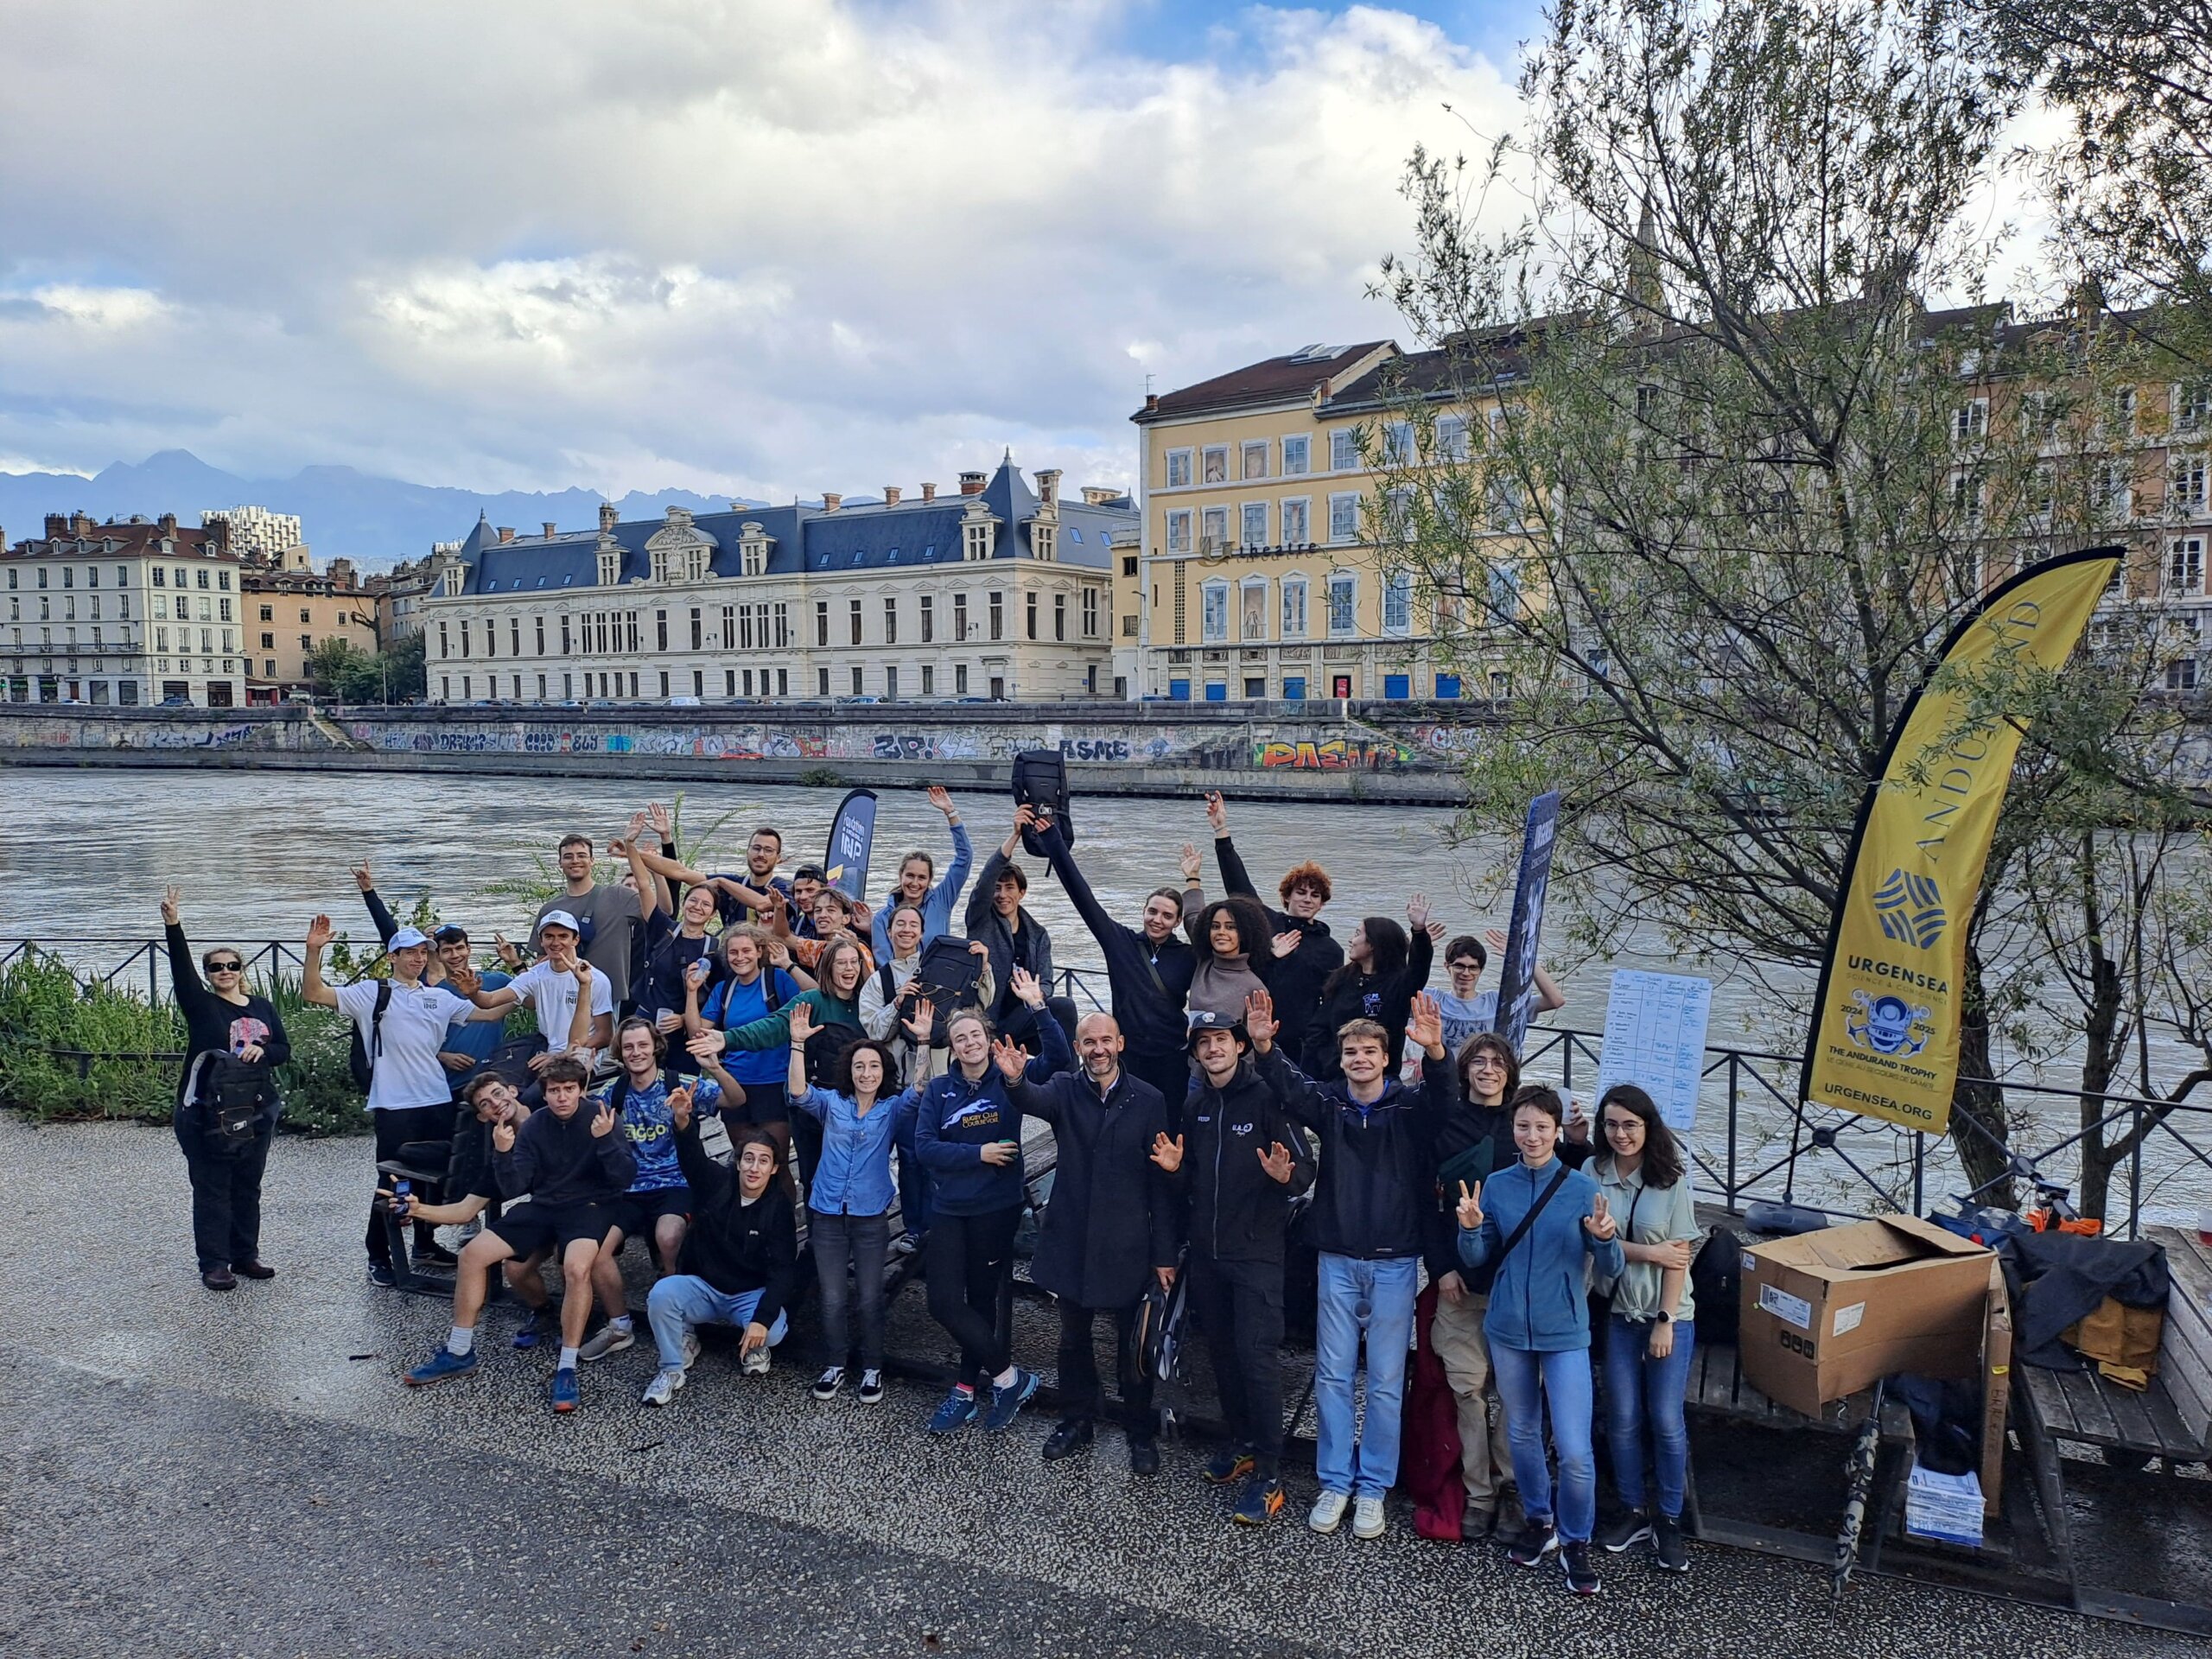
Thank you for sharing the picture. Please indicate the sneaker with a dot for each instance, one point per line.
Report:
(253, 1269)
(1144, 1457)
(382, 1276)
(906, 1243)
(566, 1396)
(1259, 1502)
(612, 1339)
(663, 1388)
(827, 1385)
(1074, 1436)
(440, 1366)
(535, 1329)
(1632, 1528)
(691, 1349)
(755, 1364)
(1538, 1539)
(1581, 1572)
(871, 1387)
(1225, 1468)
(1476, 1523)
(1674, 1549)
(218, 1279)
(957, 1412)
(1006, 1402)
(1367, 1517)
(1328, 1511)
(435, 1256)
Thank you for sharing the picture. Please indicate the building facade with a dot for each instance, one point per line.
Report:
(292, 609)
(130, 611)
(1000, 591)
(256, 533)
(400, 591)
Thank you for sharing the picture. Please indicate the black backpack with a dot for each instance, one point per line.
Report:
(1041, 781)
(362, 1060)
(1717, 1283)
(231, 1092)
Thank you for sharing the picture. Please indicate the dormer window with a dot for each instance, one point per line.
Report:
(453, 574)
(610, 563)
(752, 549)
(1041, 540)
(977, 540)
(695, 564)
(660, 564)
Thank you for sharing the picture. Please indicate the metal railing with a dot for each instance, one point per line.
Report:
(92, 958)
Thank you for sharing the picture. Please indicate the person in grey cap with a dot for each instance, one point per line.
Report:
(574, 1005)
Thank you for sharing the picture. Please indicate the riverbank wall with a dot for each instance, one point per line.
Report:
(1335, 752)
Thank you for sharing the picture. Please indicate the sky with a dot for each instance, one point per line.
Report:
(760, 247)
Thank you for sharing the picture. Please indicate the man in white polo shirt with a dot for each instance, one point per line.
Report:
(574, 1005)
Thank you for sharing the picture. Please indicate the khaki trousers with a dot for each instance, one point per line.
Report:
(1485, 1457)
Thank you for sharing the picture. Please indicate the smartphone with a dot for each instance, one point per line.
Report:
(403, 1198)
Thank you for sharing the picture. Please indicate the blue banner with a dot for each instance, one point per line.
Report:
(852, 837)
(1517, 983)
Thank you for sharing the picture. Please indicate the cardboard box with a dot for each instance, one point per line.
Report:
(1996, 1387)
(1826, 1314)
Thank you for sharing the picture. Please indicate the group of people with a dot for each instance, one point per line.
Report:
(700, 1033)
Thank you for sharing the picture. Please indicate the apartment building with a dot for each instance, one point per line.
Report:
(292, 610)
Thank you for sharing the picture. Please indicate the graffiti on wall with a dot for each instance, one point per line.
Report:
(1332, 755)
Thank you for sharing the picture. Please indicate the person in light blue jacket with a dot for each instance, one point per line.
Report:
(1539, 1227)
(934, 901)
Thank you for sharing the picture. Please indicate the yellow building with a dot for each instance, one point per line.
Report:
(290, 611)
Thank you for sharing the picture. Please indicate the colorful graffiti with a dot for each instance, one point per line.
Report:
(1333, 755)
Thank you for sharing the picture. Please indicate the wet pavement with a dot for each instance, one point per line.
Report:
(243, 1474)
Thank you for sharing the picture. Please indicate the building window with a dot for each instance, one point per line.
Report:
(2185, 484)
(2185, 565)
(960, 617)
(1344, 449)
(1254, 460)
(1398, 603)
(444, 644)
(2192, 406)
(1029, 610)
(660, 630)
(960, 679)
(2120, 413)
(1344, 597)
(1252, 618)
(929, 626)
(1296, 530)
(890, 619)
(514, 636)
(890, 684)
(1041, 538)
(2181, 674)
(1179, 468)
(729, 628)
(1344, 518)
(998, 614)
(853, 617)
(269, 642)
(783, 626)
(1091, 614)
(1970, 421)
(1213, 464)
(1452, 437)
(464, 638)
(1254, 527)
(566, 649)
(1398, 443)
(698, 630)
(1059, 616)
(929, 680)
(1178, 531)
(856, 680)
(1297, 456)
(267, 613)
(821, 622)
(976, 539)
(1213, 612)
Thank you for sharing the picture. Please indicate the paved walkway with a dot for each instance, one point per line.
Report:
(189, 1473)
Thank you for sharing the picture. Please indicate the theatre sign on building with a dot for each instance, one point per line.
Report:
(1002, 590)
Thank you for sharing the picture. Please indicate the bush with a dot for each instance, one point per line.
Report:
(43, 1009)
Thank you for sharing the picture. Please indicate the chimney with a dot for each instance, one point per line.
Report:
(1151, 402)
(891, 495)
(507, 534)
(971, 483)
(2088, 298)
(1048, 488)
(831, 500)
(929, 492)
(168, 521)
(81, 522)
(1097, 495)
(57, 525)
(550, 528)
(606, 517)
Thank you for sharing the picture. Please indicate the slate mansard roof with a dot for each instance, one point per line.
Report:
(866, 536)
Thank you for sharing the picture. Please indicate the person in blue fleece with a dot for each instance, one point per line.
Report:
(1539, 1226)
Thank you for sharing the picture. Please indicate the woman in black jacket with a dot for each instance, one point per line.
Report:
(998, 921)
(1380, 976)
(229, 1028)
(1296, 976)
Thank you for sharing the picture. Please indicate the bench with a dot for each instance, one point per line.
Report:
(2170, 1420)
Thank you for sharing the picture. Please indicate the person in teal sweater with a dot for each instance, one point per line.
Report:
(1539, 1226)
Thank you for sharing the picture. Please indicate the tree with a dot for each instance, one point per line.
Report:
(405, 668)
(1694, 463)
(343, 670)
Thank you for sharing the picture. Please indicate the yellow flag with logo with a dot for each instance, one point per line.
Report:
(1885, 1025)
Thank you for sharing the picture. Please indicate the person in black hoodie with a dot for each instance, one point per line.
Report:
(1382, 974)
(1295, 979)
(573, 1169)
(1241, 1161)
(228, 1027)
(1369, 1222)
(1109, 1231)
(740, 1262)
(998, 920)
(1148, 972)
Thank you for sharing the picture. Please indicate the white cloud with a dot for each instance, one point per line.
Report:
(770, 246)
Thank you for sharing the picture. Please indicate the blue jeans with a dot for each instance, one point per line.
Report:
(1565, 1377)
(1641, 1390)
(1376, 1297)
(683, 1299)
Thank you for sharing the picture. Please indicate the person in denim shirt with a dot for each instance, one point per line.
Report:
(849, 1205)
(1538, 1323)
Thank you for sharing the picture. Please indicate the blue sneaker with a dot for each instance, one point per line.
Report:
(1006, 1402)
(440, 1366)
(566, 1396)
(533, 1331)
(957, 1412)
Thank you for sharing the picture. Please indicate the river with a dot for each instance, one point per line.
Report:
(86, 855)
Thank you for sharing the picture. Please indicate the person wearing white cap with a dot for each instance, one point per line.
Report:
(574, 1005)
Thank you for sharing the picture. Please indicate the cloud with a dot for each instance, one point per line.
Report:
(765, 246)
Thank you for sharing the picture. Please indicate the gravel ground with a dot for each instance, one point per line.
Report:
(193, 1473)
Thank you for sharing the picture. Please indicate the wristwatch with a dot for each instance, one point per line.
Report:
(1662, 1317)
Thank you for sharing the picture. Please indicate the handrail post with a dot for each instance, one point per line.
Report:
(2135, 1174)
(1732, 1098)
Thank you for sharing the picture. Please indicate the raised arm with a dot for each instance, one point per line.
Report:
(312, 989)
(964, 851)
(1234, 876)
(649, 887)
(379, 913)
(708, 1180)
(192, 994)
(1103, 927)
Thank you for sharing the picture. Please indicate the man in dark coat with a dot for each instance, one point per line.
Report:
(1109, 1231)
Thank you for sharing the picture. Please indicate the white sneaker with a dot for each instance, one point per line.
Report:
(756, 1363)
(1328, 1511)
(664, 1385)
(691, 1349)
(611, 1339)
(1367, 1518)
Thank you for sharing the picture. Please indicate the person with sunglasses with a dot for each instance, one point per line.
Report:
(224, 1022)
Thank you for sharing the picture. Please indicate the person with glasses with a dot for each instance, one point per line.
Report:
(224, 1022)
(1467, 1007)
(1296, 974)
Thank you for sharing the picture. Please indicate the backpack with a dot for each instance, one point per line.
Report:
(1717, 1282)
(1041, 781)
(361, 1061)
(231, 1092)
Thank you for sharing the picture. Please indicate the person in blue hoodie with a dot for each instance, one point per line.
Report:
(934, 901)
(1544, 1226)
(967, 1135)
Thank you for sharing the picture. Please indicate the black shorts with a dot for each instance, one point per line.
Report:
(765, 1104)
(637, 1213)
(530, 1228)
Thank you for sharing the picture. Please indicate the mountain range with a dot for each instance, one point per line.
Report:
(375, 522)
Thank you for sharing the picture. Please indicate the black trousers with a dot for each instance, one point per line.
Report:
(969, 1260)
(1238, 1306)
(1081, 1398)
(1170, 1074)
(226, 1188)
(395, 1127)
(806, 1138)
